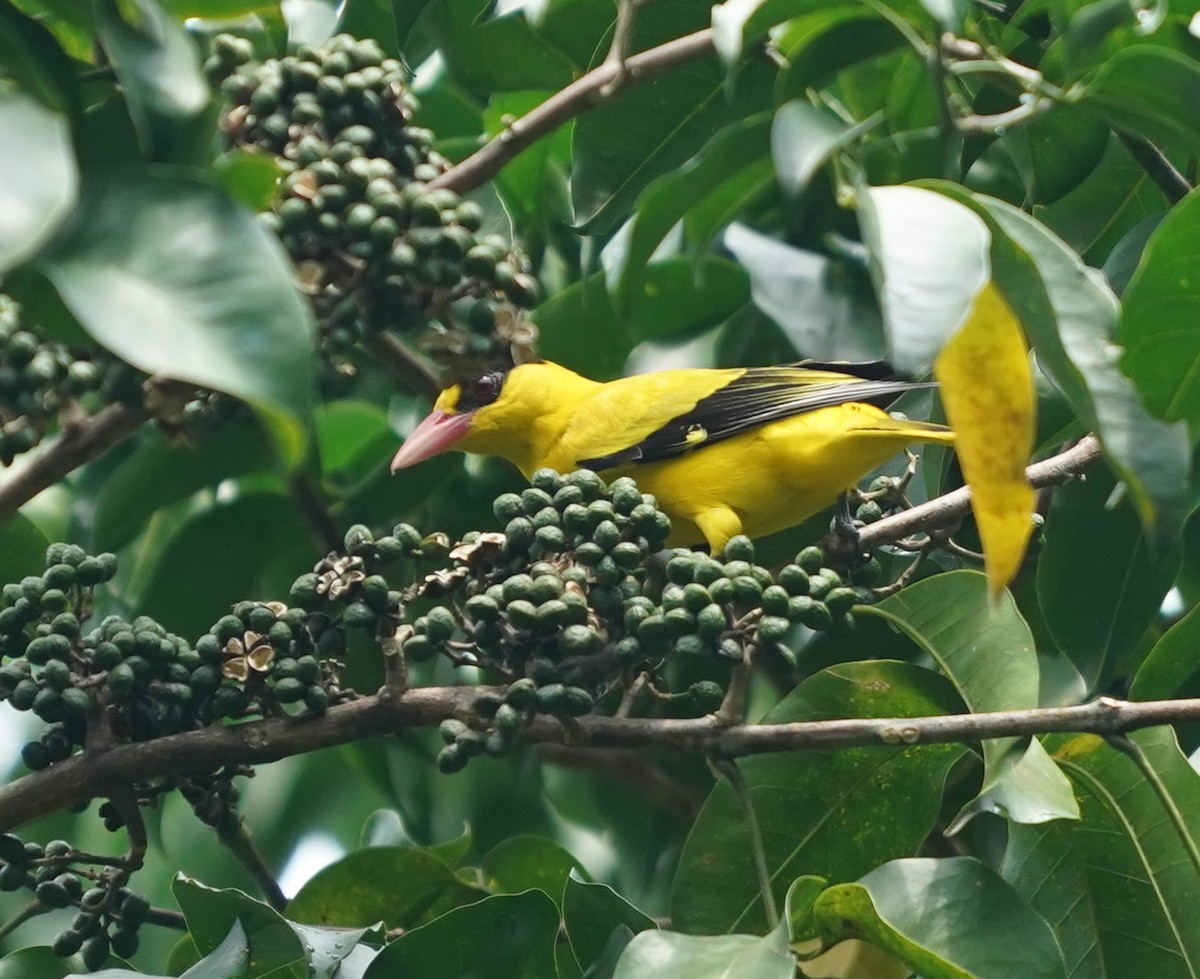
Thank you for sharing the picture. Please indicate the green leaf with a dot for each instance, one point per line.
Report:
(509, 935)
(1100, 582)
(668, 200)
(653, 128)
(986, 650)
(834, 814)
(737, 24)
(22, 548)
(1150, 91)
(38, 179)
(270, 546)
(275, 949)
(401, 886)
(31, 57)
(251, 179)
(227, 961)
(524, 862)
(159, 72)
(946, 919)
(498, 54)
(929, 259)
(819, 45)
(1124, 861)
(1069, 314)
(309, 21)
(582, 329)
(38, 962)
(328, 948)
(592, 913)
(803, 138)
(671, 955)
(1162, 350)
(1113, 199)
(1170, 664)
(170, 275)
(354, 440)
(162, 471)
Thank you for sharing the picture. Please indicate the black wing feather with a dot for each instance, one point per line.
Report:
(755, 399)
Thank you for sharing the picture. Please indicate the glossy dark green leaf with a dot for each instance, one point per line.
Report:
(275, 949)
(1125, 861)
(951, 918)
(825, 305)
(1162, 350)
(498, 54)
(158, 70)
(269, 547)
(38, 179)
(533, 183)
(929, 259)
(1113, 199)
(1069, 315)
(401, 886)
(581, 328)
(353, 439)
(818, 45)
(1172, 661)
(667, 201)
(328, 948)
(592, 912)
(33, 59)
(672, 955)
(1100, 580)
(833, 814)
(169, 274)
(161, 471)
(22, 548)
(37, 962)
(406, 13)
(737, 24)
(524, 862)
(986, 650)
(1152, 92)
(653, 128)
(509, 935)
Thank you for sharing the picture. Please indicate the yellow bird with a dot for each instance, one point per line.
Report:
(725, 452)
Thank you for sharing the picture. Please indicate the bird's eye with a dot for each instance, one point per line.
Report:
(485, 387)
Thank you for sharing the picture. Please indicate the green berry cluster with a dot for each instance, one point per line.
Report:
(109, 914)
(374, 245)
(38, 378)
(335, 101)
(570, 600)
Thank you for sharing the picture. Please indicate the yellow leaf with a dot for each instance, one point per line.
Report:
(987, 389)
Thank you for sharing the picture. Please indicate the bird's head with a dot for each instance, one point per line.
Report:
(454, 420)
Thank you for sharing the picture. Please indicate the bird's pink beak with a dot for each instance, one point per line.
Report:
(435, 434)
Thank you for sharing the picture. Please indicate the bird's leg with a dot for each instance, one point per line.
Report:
(842, 545)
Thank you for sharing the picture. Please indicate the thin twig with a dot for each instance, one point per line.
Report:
(729, 769)
(405, 363)
(619, 49)
(78, 443)
(242, 847)
(1171, 182)
(166, 918)
(955, 505)
(583, 93)
(30, 910)
(312, 509)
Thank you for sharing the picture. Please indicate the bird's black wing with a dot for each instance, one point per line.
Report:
(762, 395)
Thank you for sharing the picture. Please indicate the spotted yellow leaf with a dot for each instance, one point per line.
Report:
(988, 393)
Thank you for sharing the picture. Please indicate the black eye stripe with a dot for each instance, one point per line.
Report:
(483, 390)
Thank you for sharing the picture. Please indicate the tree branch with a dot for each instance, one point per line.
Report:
(77, 443)
(584, 93)
(1171, 182)
(955, 505)
(91, 774)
